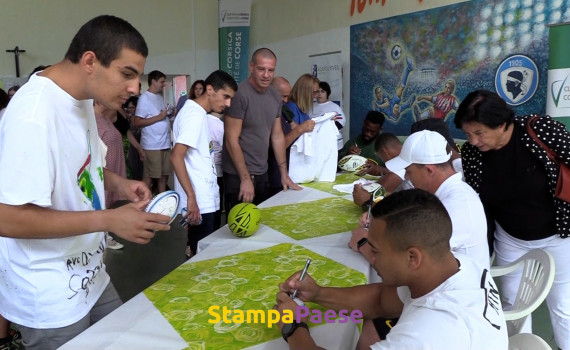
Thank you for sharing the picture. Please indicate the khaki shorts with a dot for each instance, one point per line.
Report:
(157, 163)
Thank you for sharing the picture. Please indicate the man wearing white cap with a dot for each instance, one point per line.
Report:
(426, 158)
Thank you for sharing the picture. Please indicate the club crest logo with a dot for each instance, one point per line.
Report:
(516, 79)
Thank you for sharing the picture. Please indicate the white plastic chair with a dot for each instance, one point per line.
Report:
(536, 280)
(527, 341)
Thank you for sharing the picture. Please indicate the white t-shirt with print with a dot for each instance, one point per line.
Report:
(464, 312)
(216, 130)
(157, 135)
(191, 129)
(50, 156)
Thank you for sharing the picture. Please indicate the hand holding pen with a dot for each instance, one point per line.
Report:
(354, 149)
(303, 273)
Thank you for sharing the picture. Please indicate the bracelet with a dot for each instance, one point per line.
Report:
(361, 242)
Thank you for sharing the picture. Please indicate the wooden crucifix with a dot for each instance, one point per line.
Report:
(17, 52)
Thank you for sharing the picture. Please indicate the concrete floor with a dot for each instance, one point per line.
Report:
(137, 266)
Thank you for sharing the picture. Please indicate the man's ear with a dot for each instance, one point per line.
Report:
(430, 169)
(88, 61)
(210, 90)
(415, 258)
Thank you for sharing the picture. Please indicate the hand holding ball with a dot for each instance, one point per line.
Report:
(244, 219)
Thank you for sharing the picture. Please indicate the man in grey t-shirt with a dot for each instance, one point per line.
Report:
(253, 120)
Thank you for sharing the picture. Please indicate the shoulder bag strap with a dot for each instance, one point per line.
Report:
(551, 154)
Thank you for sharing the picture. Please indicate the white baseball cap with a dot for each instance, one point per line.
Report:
(422, 147)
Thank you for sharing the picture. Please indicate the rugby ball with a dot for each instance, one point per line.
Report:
(244, 219)
(352, 162)
(371, 186)
(379, 194)
(165, 203)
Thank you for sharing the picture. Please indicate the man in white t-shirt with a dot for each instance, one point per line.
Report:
(152, 115)
(52, 188)
(426, 158)
(423, 283)
(193, 157)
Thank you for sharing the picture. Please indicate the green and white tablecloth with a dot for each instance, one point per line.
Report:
(341, 178)
(244, 281)
(312, 219)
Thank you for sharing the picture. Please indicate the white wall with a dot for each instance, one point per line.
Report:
(182, 35)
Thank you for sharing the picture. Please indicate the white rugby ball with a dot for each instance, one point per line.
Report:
(351, 162)
(371, 186)
(165, 203)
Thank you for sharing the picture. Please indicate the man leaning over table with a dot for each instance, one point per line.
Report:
(387, 146)
(423, 283)
(363, 144)
(250, 124)
(426, 159)
(53, 279)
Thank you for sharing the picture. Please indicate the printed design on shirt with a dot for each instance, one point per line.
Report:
(211, 149)
(493, 310)
(83, 272)
(85, 180)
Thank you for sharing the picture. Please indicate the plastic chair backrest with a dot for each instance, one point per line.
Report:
(527, 341)
(536, 280)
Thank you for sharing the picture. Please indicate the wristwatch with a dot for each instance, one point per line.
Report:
(361, 242)
(290, 328)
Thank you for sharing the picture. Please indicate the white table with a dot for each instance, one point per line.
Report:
(139, 325)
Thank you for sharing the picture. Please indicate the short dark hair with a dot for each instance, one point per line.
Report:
(415, 218)
(325, 86)
(386, 139)
(14, 88)
(106, 36)
(155, 75)
(133, 99)
(436, 125)
(375, 117)
(263, 52)
(220, 79)
(4, 99)
(484, 107)
(38, 69)
(197, 82)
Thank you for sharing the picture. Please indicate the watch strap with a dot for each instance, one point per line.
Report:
(361, 242)
(295, 326)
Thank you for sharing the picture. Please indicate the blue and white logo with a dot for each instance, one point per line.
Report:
(516, 79)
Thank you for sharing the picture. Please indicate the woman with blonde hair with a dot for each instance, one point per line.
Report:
(301, 97)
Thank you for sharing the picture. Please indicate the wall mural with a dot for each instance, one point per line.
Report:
(421, 65)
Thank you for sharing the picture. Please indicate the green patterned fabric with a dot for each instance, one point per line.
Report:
(244, 281)
(341, 178)
(306, 220)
